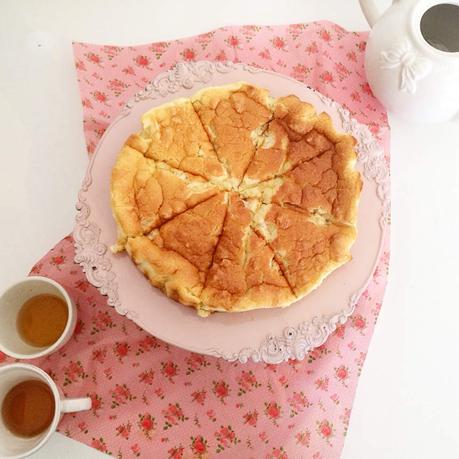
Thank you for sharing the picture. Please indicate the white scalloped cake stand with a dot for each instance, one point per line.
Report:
(271, 336)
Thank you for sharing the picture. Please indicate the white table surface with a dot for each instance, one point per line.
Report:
(407, 403)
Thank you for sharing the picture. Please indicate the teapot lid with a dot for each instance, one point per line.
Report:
(435, 27)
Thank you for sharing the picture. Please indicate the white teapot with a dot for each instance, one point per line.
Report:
(412, 58)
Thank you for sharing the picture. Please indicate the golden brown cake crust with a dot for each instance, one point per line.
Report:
(306, 250)
(232, 200)
(233, 117)
(147, 193)
(167, 270)
(244, 272)
(176, 136)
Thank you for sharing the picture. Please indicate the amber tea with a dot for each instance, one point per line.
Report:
(28, 408)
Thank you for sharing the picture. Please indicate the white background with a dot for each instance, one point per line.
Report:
(407, 404)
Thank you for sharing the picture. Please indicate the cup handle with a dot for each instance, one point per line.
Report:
(71, 405)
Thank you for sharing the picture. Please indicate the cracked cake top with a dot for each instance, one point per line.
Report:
(233, 200)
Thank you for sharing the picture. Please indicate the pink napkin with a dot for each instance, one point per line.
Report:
(154, 400)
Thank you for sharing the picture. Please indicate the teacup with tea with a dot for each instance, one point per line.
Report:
(31, 408)
(37, 317)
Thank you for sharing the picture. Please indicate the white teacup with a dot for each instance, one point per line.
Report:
(14, 447)
(11, 301)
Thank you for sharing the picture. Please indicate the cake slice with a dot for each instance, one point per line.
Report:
(307, 250)
(326, 186)
(176, 136)
(146, 193)
(269, 157)
(176, 257)
(167, 270)
(194, 233)
(295, 135)
(234, 117)
(244, 274)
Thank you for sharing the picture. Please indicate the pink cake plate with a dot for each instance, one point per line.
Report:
(270, 335)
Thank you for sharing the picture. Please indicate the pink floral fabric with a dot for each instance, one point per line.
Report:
(321, 54)
(154, 400)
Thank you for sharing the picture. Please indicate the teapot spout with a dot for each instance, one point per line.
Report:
(370, 11)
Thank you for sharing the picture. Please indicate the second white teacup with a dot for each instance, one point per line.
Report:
(13, 446)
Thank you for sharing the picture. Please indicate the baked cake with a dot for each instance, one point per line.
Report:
(233, 200)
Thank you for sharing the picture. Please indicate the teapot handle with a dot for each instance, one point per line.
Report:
(370, 11)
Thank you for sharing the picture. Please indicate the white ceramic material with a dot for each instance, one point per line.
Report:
(273, 335)
(407, 74)
(12, 446)
(11, 301)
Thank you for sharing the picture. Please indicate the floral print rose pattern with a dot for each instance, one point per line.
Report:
(321, 54)
(151, 399)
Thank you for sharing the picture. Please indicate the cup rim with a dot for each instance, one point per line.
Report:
(50, 349)
(57, 402)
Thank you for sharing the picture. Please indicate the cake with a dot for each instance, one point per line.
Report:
(232, 200)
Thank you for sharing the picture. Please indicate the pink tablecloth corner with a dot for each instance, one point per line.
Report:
(157, 401)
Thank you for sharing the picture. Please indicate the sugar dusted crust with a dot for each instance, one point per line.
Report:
(232, 200)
